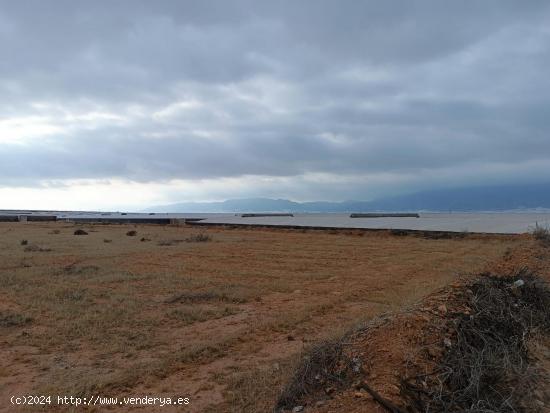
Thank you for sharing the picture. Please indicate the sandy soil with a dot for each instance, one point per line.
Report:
(221, 322)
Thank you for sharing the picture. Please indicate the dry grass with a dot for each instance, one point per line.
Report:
(542, 234)
(252, 391)
(199, 238)
(232, 293)
(9, 319)
(36, 248)
(123, 316)
(169, 242)
(193, 314)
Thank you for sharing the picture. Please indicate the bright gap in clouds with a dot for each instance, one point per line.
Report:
(125, 195)
(90, 196)
(24, 129)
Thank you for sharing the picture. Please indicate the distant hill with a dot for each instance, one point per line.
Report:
(252, 205)
(488, 198)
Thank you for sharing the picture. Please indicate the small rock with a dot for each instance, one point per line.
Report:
(290, 337)
(329, 390)
(442, 309)
(357, 364)
(518, 283)
(447, 342)
(298, 409)
(319, 403)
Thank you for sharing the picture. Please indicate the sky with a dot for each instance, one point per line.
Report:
(128, 104)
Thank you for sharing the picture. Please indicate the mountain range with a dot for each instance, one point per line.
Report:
(486, 198)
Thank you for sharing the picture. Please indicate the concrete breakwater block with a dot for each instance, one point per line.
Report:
(383, 215)
(266, 215)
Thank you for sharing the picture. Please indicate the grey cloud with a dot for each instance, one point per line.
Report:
(221, 89)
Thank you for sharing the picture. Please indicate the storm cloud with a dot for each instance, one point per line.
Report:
(291, 99)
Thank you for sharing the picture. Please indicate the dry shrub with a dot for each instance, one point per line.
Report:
(229, 296)
(36, 248)
(80, 232)
(68, 295)
(131, 233)
(80, 269)
(198, 238)
(399, 232)
(24, 242)
(9, 319)
(326, 365)
(193, 314)
(192, 238)
(201, 237)
(542, 234)
(169, 242)
(487, 369)
(444, 234)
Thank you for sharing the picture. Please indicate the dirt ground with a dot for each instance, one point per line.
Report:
(411, 342)
(221, 321)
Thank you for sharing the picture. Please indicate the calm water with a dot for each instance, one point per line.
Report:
(516, 222)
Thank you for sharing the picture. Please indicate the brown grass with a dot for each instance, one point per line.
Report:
(8, 319)
(542, 234)
(207, 320)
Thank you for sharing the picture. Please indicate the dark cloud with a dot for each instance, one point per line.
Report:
(153, 91)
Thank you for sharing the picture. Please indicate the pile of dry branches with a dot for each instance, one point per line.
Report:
(325, 366)
(488, 367)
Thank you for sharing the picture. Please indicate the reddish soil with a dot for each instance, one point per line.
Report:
(100, 314)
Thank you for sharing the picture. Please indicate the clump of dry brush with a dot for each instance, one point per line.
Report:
(542, 234)
(326, 364)
(488, 368)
